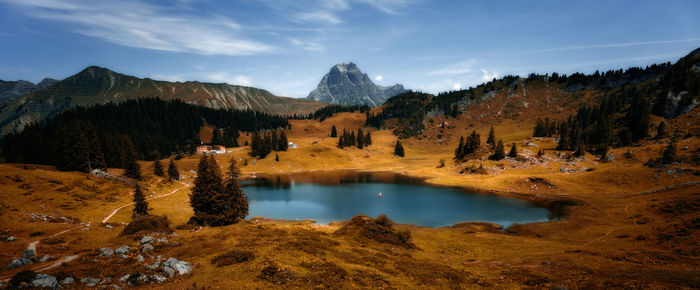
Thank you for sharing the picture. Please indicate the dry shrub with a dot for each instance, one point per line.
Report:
(233, 257)
(53, 241)
(36, 234)
(147, 223)
(309, 242)
(276, 275)
(327, 274)
(430, 273)
(24, 276)
(380, 230)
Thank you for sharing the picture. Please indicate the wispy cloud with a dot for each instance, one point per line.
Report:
(488, 76)
(389, 6)
(311, 46)
(457, 68)
(224, 77)
(139, 24)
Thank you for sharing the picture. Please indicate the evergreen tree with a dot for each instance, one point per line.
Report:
(398, 149)
(132, 169)
(580, 150)
(206, 195)
(540, 153)
(236, 205)
(368, 139)
(283, 142)
(277, 158)
(334, 133)
(360, 138)
(661, 130)
(140, 204)
(158, 168)
(216, 138)
(95, 154)
(459, 153)
(513, 151)
(668, 156)
(492, 138)
(499, 152)
(173, 172)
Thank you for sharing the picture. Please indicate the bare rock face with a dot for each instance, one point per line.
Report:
(345, 84)
(10, 90)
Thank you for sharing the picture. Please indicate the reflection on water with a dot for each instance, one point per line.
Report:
(339, 195)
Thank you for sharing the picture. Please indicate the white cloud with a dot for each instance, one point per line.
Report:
(459, 68)
(170, 78)
(379, 78)
(224, 77)
(457, 87)
(311, 46)
(389, 6)
(139, 24)
(318, 16)
(488, 76)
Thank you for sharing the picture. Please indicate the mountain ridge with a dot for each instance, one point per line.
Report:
(98, 85)
(10, 90)
(346, 84)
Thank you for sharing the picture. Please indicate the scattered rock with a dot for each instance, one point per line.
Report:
(19, 262)
(106, 252)
(169, 271)
(162, 240)
(139, 258)
(68, 280)
(146, 240)
(158, 278)
(122, 256)
(28, 254)
(611, 157)
(174, 234)
(124, 278)
(122, 250)
(109, 226)
(12, 238)
(530, 144)
(147, 248)
(91, 282)
(45, 281)
(181, 267)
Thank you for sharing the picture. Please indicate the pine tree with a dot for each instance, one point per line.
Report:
(236, 206)
(360, 138)
(216, 137)
(173, 172)
(206, 196)
(283, 142)
(513, 151)
(129, 159)
(334, 132)
(95, 154)
(540, 153)
(668, 156)
(158, 168)
(661, 130)
(140, 204)
(460, 147)
(398, 149)
(492, 138)
(277, 158)
(368, 139)
(499, 152)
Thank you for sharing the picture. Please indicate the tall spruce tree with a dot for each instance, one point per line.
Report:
(492, 138)
(499, 153)
(459, 152)
(368, 139)
(173, 172)
(132, 169)
(158, 168)
(398, 149)
(513, 151)
(668, 156)
(236, 206)
(140, 204)
(334, 132)
(206, 195)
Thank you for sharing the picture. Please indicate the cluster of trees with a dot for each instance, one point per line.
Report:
(408, 108)
(229, 138)
(545, 128)
(473, 142)
(330, 110)
(349, 138)
(217, 202)
(173, 173)
(153, 126)
(263, 143)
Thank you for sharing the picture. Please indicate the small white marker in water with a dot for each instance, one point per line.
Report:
(380, 195)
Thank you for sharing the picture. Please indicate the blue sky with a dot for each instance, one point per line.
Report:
(286, 46)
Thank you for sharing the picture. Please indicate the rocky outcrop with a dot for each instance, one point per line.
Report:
(10, 90)
(345, 84)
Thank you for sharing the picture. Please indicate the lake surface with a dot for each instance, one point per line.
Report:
(339, 195)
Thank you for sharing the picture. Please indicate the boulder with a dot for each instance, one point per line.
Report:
(106, 252)
(19, 262)
(12, 238)
(45, 281)
(169, 271)
(68, 280)
(158, 278)
(139, 258)
(180, 267)
(122, 250)
(28, 254)
(122, 256)
(146, 240)
(147, 248)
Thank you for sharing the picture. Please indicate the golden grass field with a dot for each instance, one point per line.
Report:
(614, 237)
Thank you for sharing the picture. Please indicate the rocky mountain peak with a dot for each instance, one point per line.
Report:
(346, 84)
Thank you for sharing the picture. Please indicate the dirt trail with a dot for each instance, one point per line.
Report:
(33, 244)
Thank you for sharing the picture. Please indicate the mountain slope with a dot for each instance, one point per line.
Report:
(10, 90)
(345, 84)
(96, 85)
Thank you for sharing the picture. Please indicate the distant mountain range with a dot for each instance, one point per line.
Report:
(10, 90)
(345, 84)
(97, 85)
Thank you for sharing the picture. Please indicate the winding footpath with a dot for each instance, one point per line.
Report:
(33, 245)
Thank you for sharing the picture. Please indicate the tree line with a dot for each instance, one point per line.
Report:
(349, 138)
(74, 139)
(263, 143)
